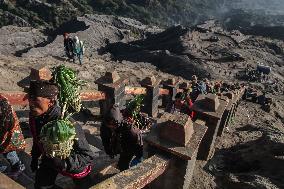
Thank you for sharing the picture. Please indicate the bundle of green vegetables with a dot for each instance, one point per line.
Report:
(57, 137)
(133, 109)
(69, 85)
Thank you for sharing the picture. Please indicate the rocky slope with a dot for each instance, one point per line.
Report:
(206, 50)
(239, 14)
(249, 155)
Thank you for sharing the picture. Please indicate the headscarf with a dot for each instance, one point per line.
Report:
(11, 137)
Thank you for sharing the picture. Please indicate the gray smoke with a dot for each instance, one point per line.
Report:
(263, 12)
(271, 7)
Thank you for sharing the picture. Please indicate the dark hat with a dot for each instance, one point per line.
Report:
(43, 88)
(114, 114)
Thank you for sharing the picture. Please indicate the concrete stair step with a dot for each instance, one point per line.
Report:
(108, 172)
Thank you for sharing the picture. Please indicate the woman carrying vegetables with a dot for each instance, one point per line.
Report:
(47, 125)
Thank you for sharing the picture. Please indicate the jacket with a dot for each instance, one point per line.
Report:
(124, 138)
(185, 108)
(81, 157)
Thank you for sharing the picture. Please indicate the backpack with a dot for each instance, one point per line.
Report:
(82, 47)
(79, 49)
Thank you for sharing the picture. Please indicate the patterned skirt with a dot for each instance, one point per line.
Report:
(11, 137)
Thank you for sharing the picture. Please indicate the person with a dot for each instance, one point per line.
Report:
(68, 46)
(202, 87)
(217, 87)
(225, 87)
(12, 139)
(209, 87)
(79, 165)
(120, 137)
(183, 104)
(79, 49)
(262, 98)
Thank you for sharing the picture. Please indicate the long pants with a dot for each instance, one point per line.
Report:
(80, 58)
(127, 155)
(46, 176)
(12, 157)
(69, 54)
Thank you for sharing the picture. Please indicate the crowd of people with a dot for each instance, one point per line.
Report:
(119, 135)
(184, 100)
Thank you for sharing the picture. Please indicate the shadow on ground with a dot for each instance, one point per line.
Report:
(254, 164)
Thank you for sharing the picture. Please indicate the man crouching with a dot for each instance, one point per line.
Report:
(78, 166)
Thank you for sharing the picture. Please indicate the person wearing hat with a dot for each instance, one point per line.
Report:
(182, 104)
(120, 137)
(12, 140)
(78, 166)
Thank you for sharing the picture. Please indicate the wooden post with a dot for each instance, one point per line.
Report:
(177, 138)
(171, 85)
(114, 89)
(8, 183)
(152, 96)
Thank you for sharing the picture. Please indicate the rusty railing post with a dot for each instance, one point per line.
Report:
(228, 113)
(40, 73)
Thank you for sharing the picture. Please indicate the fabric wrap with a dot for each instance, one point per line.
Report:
(11, 136)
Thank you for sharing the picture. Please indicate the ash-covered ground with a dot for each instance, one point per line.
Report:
(251, 152)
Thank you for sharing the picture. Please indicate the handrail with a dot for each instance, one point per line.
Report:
(20, 98)
(8, 183)
(138, 176)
